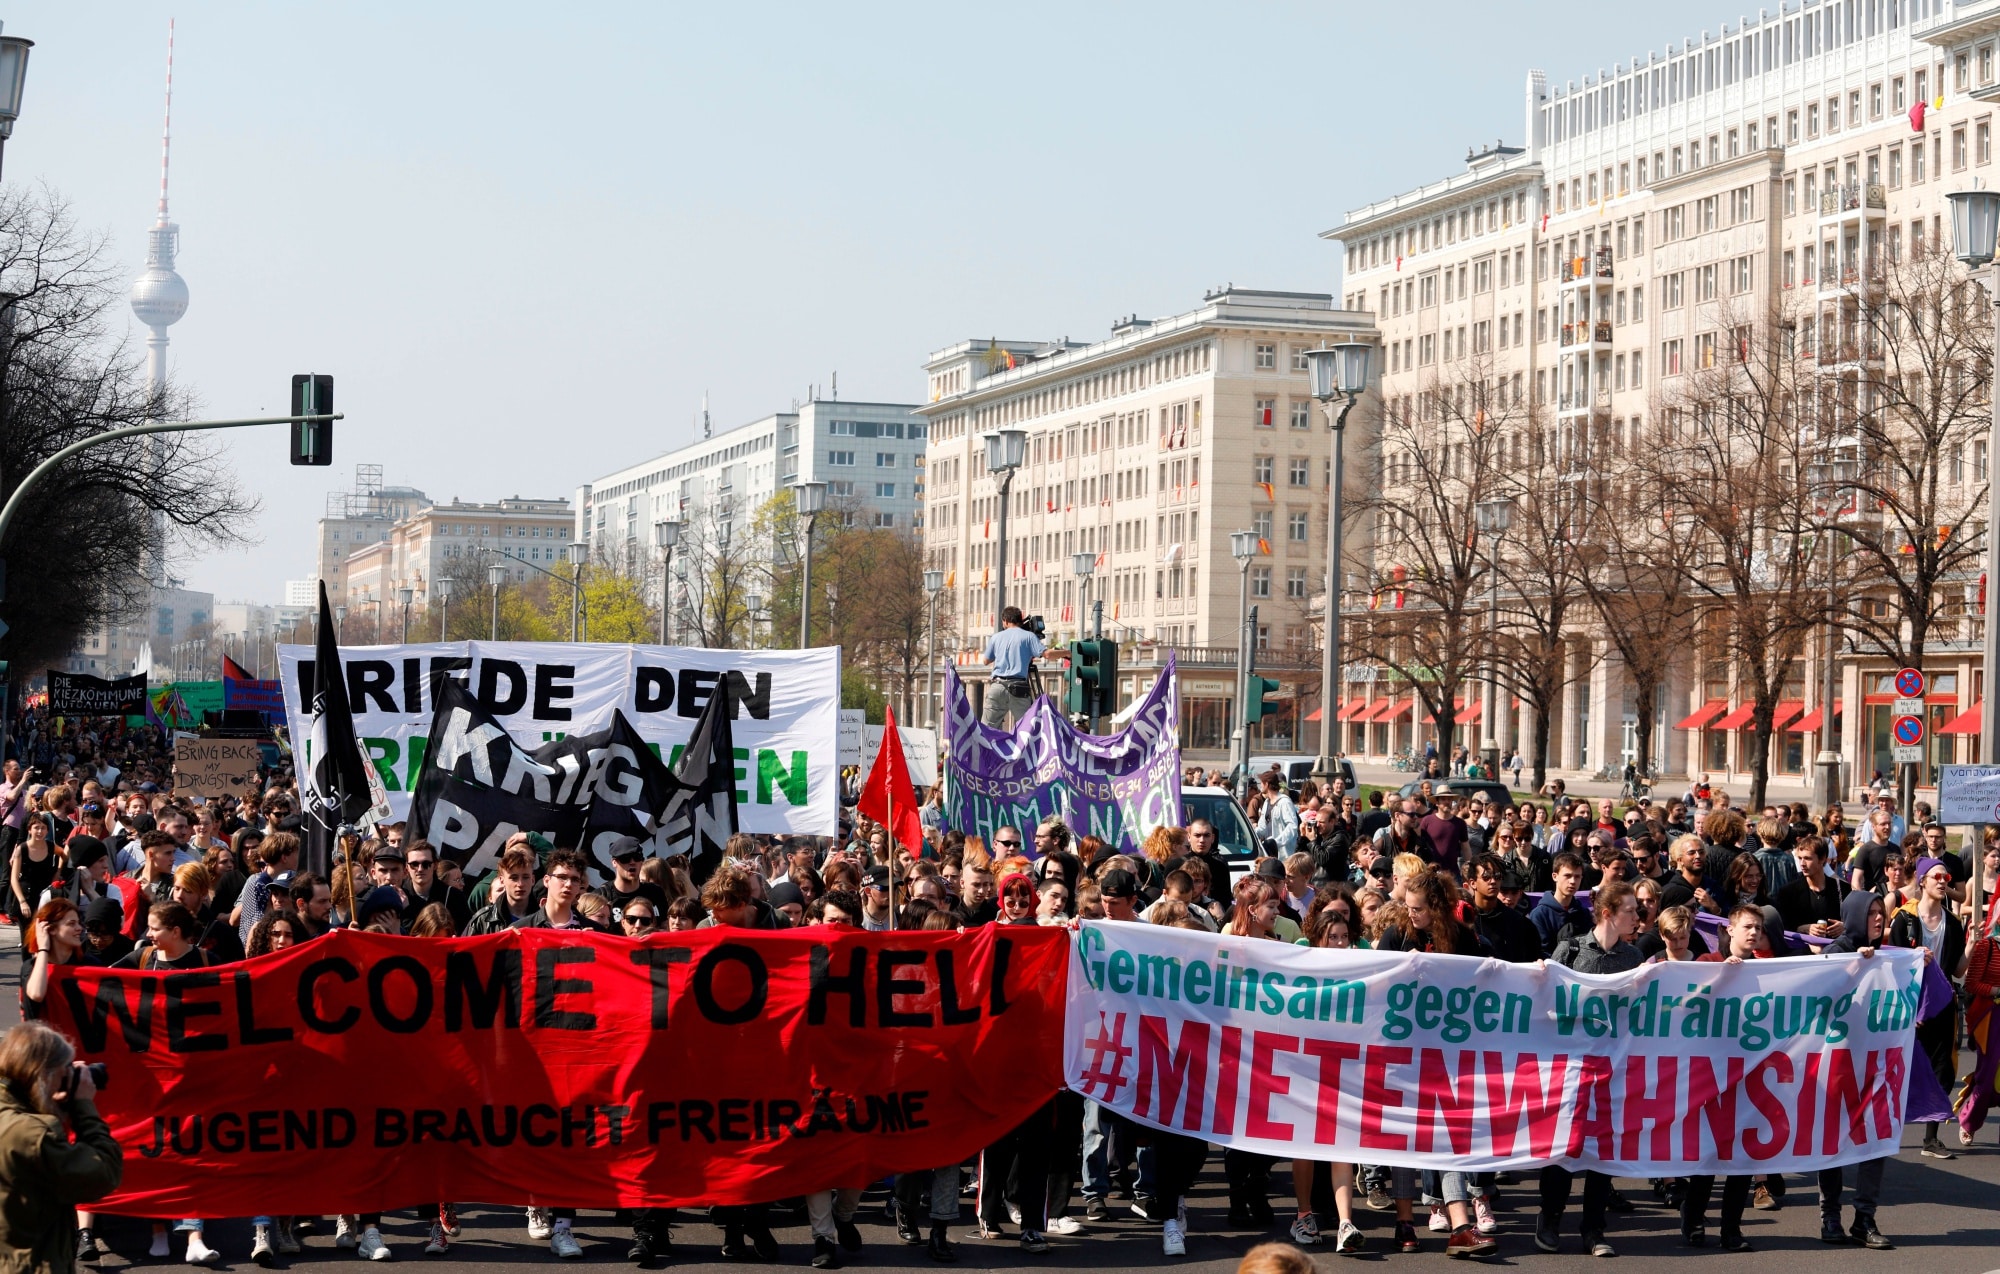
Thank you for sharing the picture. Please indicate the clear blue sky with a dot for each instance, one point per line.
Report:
(526, 238)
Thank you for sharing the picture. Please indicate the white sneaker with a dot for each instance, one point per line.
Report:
(372, 1248)
(1440, 1222)
(346, 1231)
(439, 1244)
(1173, 1239)
(159, 1245)
(1482, 1215)
(1065, 1225)
(1305, 1230)
(261, 1250)
(538, 1223)
(200, 1253)
(1350, 1242)
(563, 1243)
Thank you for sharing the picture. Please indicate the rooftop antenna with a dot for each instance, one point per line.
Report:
(704, 415)
(836, 387)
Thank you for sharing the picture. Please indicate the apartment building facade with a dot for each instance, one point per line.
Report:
(1659, 218)
(418, 549)
(1146, 450)
(870, 455)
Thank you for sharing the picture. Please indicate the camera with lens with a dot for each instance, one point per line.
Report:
(99, 1076)
(1036, 625)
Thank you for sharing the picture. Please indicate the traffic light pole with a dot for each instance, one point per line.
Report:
(48, 466)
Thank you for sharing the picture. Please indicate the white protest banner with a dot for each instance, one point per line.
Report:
(919, 750)
(1968, 794)
(853, 733)
(1470, 1064)
(786, 700)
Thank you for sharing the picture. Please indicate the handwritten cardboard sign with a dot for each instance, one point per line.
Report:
(215, 767)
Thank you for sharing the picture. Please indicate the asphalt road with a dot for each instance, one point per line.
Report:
(1944, 1217)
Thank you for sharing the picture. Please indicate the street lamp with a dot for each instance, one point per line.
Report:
(754, 602)
(13, 78)
(666, 534)
(933, 585)
(1243, 547)
(1975, 223)
(406, 596)
(443, 590)
(496, 575)
(809, 498)
(1006, 451)
(1495, 516)
(339, 623)
(577, 551)
(1338, 371)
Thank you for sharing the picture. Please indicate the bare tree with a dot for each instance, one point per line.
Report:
(1905, 394)
(1440, 455)
(81, 545)
(1542, 561)
(1724, 468)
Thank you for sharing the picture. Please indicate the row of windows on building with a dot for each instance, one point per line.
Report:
(1749, 54)
(875, 429)
(1435, 234)
(1189, 360)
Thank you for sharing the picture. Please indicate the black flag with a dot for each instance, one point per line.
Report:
(701, 813)
(337, 785)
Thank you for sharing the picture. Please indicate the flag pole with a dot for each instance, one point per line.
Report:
(891, 837)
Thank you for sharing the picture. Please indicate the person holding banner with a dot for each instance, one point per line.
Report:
(1606, 948)
(1930, 924)
(1865, 924)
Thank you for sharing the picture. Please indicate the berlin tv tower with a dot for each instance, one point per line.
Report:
(160, 296)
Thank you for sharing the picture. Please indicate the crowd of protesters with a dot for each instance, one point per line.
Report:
(108, 867)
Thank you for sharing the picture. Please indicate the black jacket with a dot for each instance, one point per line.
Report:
(1507, 933)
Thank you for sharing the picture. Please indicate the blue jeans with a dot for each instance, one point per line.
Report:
(1107, 1138)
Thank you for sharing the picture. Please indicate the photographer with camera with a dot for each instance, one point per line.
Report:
(55, 1151)
(1012, 651)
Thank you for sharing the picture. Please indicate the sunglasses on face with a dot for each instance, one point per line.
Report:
(1008, 844)
(638, 921)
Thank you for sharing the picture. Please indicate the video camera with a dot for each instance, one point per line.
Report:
(1037, 625)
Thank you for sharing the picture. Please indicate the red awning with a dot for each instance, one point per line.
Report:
(1737, 719)
(1469, 714)
(1785, 712)
(1701, 716)
(1390, 711)
(1456, 704)
(1967, 722)
(1356, 710)
(1811, 720)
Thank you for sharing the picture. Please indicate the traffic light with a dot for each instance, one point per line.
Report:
(312, 440)
(1106, 704)
(1256, 698)
(1090, 687)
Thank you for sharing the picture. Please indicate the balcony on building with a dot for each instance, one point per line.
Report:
(1854, 201)
(1593, 270)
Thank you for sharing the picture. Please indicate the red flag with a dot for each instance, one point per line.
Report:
(233, 671)
(887, 797)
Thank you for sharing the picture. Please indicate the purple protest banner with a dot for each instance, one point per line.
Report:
(1117, 787)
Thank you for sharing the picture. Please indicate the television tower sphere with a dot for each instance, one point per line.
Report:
(160, 296)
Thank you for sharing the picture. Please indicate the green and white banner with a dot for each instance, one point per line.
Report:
(785, 701)
(1456, 1062)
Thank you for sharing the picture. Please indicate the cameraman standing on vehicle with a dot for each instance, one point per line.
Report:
(45, 1169)
(1012, 651)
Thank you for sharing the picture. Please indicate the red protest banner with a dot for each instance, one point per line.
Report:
(365, 1071)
